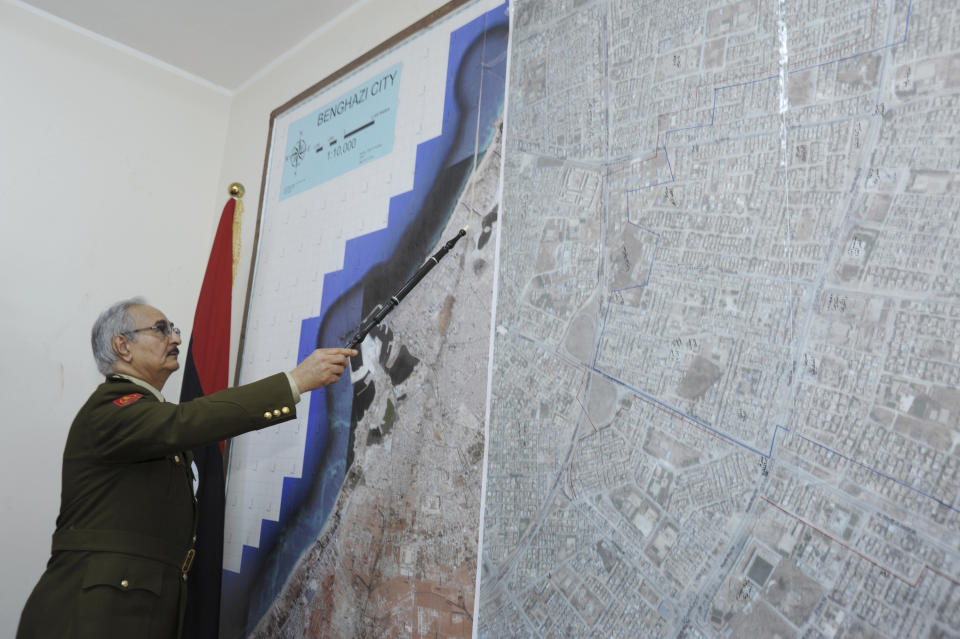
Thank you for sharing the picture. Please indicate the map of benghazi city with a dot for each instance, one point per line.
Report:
(399, 556)
(726, 370)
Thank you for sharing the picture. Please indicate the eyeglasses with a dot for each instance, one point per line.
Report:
(162, 327)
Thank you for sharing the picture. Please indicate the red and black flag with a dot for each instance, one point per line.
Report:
(207, 371)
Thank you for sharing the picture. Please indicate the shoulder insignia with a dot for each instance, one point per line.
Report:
(126, 400)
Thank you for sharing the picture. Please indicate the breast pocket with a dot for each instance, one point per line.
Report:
(119, 596)
(167, 479)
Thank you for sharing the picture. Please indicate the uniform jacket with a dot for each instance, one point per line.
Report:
(125, 531)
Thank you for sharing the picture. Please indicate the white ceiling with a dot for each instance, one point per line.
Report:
(224, 42)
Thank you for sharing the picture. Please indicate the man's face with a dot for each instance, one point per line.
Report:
(153, 356)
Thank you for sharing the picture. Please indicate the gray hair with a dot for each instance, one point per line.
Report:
(112, 322)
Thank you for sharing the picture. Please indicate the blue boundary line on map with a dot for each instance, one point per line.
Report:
(769, 454)
(882, 474)
(693, 420)
(773, 440)
(713, 109)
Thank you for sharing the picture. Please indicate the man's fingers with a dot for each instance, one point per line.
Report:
(345, 352)
(324, 366)
(334, 357)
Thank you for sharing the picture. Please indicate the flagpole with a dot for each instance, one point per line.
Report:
(236, 190)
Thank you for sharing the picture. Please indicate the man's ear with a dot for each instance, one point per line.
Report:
(121, 345)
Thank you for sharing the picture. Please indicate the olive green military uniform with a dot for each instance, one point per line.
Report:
(124, 536)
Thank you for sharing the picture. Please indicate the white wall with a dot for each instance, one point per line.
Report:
(113, 172)
(109, 168)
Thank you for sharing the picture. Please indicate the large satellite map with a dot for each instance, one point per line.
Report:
(360, 517)
(726, 362)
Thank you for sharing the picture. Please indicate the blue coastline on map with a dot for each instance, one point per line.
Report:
(338, 137)
(307, 503)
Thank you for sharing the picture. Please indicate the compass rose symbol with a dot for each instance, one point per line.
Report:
(297, 153)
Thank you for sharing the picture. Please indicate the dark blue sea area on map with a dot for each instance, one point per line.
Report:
(375, 265)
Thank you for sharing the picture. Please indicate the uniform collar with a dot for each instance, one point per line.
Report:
(140, 382)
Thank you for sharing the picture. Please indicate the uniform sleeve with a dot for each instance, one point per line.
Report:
(123, 431)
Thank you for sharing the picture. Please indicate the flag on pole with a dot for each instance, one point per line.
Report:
(207, 371)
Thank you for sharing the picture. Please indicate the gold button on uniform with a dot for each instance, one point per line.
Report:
(268, 415)
(176, 458)
(276, 413)
(285, 410)
(124, 584)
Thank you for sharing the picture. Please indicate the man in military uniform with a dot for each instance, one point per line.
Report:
(124, 539)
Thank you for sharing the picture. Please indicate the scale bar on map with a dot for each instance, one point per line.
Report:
(358, 129)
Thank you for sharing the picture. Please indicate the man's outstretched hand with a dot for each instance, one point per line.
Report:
(322, 367)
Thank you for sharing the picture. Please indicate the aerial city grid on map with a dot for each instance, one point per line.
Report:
(726, 363)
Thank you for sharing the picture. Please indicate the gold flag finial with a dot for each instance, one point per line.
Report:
(236, 190)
